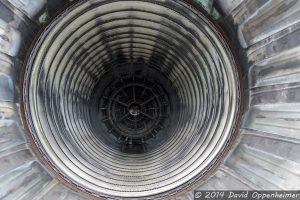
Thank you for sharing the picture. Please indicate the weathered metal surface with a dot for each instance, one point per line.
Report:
(228, 6)
(224, 176)
(287, 148)
(208, 6)
(10, 129)
(24, 182)
(14, 157)
(268, 171)
(257, 20)
(10, 39)
(268, 29)
(58, 191)
(7, 76)
(29, 8)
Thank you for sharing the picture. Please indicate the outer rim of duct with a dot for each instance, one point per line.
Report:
(82, 190)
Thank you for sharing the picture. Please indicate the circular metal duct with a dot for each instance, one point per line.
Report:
(131, 98)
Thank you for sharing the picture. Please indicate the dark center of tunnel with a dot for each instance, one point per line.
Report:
(134, 108)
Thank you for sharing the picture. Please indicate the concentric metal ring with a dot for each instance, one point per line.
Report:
(94, 40)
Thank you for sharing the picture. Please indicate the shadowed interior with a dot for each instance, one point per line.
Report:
(131, 98)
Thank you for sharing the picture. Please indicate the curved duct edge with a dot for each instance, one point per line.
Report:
(263, 50)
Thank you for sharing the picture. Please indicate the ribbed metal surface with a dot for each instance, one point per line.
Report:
(94, 40)
(266, 156)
